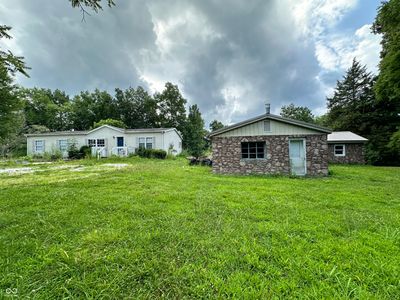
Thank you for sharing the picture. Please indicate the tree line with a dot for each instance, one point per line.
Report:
(42, 110)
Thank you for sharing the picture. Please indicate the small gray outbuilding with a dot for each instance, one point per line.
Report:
(346, 147)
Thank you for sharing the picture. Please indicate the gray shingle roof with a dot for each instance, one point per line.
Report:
(75, 132)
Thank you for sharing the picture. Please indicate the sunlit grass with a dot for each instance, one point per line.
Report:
(156, 229)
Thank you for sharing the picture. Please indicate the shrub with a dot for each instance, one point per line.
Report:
(160, 154)
(183, 154)
(151, 153)
(56, 155)
(73, 152)
(85, 151)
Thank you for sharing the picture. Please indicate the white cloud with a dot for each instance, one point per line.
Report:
(312, 17)
(336, 52)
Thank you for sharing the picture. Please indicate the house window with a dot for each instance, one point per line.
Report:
(267, 126)
(39, 146)
(63, 145)
(101, 143)
(149, 143)
(142, 142)
(92, 142)
(339, 150)
(253, 150)
(146, 142)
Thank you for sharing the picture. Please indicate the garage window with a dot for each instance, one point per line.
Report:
(253, 150)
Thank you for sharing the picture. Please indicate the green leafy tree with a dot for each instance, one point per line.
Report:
(88, 108)
(136, 108)
(387, 23)
(47, 108)
(300, 113)
(322, 120)
(194, 132)
(394, 143)
(11, 118)
(10, 103)
(171, 107)
(111, 122)
(387, 87)
(215, 125)
(12, 63)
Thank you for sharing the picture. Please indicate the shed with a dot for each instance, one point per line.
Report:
(346, 147)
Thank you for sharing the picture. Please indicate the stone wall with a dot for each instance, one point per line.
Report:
(354, 154)
(227, 155)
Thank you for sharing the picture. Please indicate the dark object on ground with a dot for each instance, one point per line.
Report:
(204, 161)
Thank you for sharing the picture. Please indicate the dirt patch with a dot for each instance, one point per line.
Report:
(118, 166)
(16, 171)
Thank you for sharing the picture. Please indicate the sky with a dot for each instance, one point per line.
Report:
(229, 57)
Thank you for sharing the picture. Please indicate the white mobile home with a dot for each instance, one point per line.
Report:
(106, 141)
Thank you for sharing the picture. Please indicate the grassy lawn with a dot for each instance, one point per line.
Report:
(163, 229)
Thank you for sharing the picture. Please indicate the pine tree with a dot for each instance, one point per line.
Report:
(194, 132)
(352, 104)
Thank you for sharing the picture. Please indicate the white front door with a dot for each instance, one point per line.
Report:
(297, 155)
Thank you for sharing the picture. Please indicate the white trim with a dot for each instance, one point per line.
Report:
(344, 150)
(107, 126)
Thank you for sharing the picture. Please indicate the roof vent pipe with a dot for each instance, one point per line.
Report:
(267, 108)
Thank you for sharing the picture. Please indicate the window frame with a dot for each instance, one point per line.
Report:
(36, 146)
(103, 144)
(66, 145)
(256, 154)
(146, 142)
(151, 143)
(142, 141)
(343, 150)
(94, 143)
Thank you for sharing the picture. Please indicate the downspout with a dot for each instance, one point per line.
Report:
(163, 145)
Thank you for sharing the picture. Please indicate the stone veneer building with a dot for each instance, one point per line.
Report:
(270, 144)
(346, 147)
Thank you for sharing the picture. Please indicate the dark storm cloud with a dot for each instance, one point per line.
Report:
(72, 55)
(229, 57)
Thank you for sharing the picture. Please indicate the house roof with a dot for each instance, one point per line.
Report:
(122, 130)
(270, 117)
(345, 137)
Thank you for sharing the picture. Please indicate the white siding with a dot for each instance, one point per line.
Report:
(51, 142)
(171, 138)
(277, 128)
(160, 140)
(131, 139)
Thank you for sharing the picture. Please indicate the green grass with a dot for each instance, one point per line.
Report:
(163, 229)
